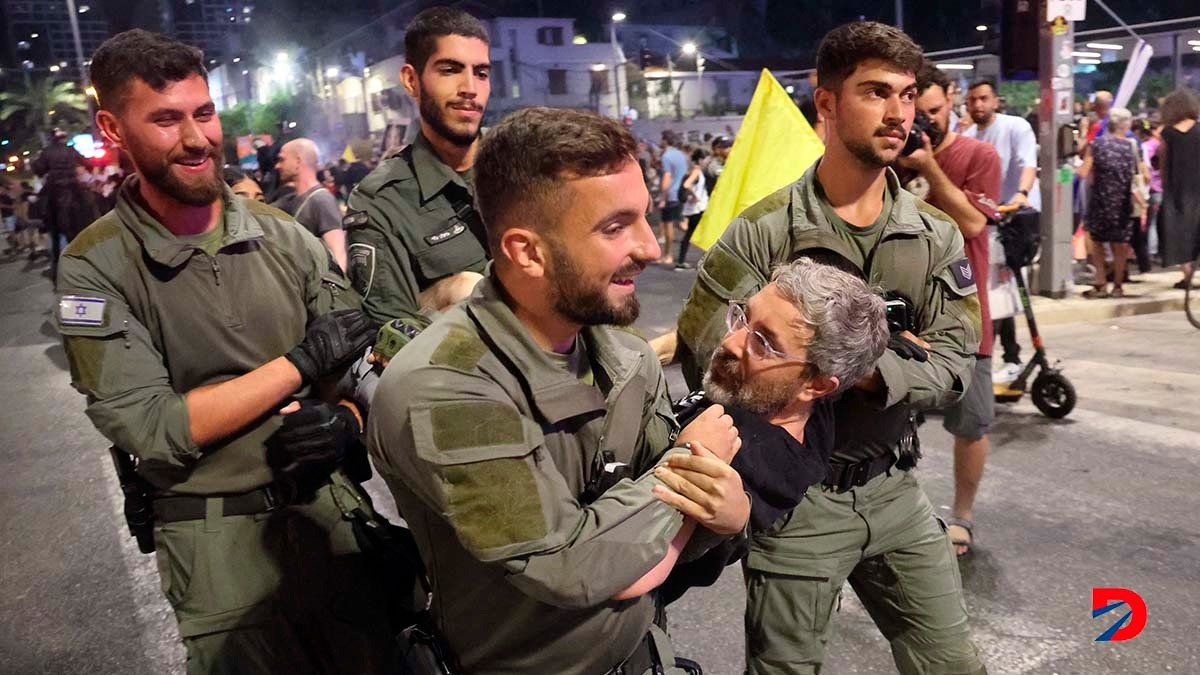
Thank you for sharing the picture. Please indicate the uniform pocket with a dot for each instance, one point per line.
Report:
(450, 256)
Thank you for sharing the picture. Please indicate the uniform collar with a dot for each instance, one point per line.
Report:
(904, 218)
(164, 247)
(433, 175)
(557, 394)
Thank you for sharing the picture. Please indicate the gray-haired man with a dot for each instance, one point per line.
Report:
(809, 334)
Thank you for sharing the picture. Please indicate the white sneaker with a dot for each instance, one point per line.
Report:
(1007, 373)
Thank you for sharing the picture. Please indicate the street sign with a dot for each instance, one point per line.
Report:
(1071, 10)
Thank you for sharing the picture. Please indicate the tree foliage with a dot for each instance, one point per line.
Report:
(34, 109)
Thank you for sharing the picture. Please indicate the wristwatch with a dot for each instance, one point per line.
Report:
(1024, 192)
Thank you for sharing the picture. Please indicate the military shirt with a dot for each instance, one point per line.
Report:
(146, 318)
(410, 223)
(486, 442)
(919, 255)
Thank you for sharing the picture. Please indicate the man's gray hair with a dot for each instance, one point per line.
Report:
(848, 320)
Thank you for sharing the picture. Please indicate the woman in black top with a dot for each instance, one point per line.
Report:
(1179, 162)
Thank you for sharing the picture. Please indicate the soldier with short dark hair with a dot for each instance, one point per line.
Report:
(868, 523)
(192, 319)
(523, 432)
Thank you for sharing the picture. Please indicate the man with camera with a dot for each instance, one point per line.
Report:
(963, 177)
(869, 522)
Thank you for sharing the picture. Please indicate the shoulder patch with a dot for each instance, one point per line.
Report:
(354, 219)
(772, 202)
(93, 235)
(726, 270)
(361, 264)
(964, 275)
(931, 210)
(81, 310)
(461, 349)
(475, 424)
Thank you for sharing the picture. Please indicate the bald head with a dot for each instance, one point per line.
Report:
(1104, 101)
(298, 160)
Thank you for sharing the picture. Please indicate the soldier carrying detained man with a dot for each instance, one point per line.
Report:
(869, 522)
(192, 319)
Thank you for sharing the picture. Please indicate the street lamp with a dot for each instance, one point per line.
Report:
(618, 58)
(689, 48)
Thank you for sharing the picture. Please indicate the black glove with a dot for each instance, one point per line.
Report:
(312, 443)
(331, 342)
(907, 349)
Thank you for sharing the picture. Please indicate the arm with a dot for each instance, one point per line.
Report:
(951, 327)
(380, 266)
(1025, 152)
(664, 186)
(218, 411)
(493, 486)
(659, 573)
(692, 177)
(335, 241)
(952, 200)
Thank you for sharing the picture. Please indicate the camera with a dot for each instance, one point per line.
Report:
(921, 124)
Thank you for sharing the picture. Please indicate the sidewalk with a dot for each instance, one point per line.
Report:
(1154, 294)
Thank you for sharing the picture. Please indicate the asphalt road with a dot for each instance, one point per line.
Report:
(1107, 497)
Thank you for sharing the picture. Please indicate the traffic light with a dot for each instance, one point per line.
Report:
(1019, 39)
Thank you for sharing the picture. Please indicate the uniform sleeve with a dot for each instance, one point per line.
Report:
(735, 268)
(326, 288)
(476, 463)
(115, 364)
(380, 267)
(951, 326)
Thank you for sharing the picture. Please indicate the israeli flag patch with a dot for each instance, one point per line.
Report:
(80, 310)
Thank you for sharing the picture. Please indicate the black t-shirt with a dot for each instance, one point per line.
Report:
(776, 472)
(6, 205)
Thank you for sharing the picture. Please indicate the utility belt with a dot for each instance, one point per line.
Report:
(177, 508)
(843, 477)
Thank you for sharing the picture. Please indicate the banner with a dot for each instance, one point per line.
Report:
(773, 147)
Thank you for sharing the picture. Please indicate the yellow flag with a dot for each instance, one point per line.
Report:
(773, 148)
(348, 154)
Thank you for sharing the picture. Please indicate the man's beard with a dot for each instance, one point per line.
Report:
(584, 305)
(435, 116)
(866, 152)
(157, 171)
(983, 117)
(724, 383)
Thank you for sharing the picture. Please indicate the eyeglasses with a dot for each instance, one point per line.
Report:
(757, 343)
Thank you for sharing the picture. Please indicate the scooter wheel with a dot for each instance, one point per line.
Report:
(1053, 394)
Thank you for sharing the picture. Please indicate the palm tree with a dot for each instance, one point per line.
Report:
(43, 104)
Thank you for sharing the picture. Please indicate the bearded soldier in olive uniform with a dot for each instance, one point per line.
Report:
(190, 318)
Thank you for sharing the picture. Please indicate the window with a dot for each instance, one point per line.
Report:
(558, 80)
(600, 81)
(550, 35)
(498, 79)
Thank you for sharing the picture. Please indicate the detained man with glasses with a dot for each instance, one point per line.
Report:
(789, 351)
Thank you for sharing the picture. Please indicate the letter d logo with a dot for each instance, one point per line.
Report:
(1128, 626)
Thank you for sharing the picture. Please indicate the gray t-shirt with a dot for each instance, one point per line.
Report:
(1016, 144)
(317, 210)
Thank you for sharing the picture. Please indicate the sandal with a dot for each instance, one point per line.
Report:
(1117, 292)
(1095, 293)
(968, 527)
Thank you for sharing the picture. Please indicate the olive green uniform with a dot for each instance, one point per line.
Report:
(411, 222)
(147, 317)
(487, 442)
(881, 535)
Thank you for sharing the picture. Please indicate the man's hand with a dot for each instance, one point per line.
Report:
(908, 346)
(705, 488)
(1019, 200)
(332, 342)
(314, 440)
(715, 431)
(920, 160)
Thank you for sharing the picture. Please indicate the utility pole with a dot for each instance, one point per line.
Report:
(900, 14)
(1055, 113)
